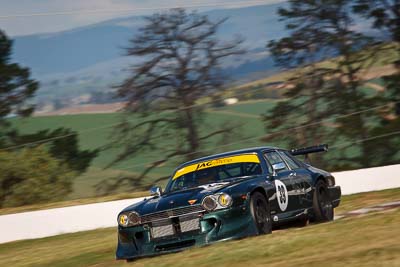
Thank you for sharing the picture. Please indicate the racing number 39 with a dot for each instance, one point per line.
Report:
(281, 195)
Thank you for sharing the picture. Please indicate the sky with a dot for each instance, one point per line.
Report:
(25, 17)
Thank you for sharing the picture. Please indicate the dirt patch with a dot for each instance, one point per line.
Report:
(375, 208)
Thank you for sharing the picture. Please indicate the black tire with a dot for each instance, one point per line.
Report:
(322, 205)
(261, 213)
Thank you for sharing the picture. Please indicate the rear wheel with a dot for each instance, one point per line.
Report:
(261, 213)
(323, 208)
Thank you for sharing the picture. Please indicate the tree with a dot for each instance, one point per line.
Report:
(16, 86)
(386, 15)
(321, 30)
(31, 176)
(16, 91)
(29, 171)
(180, 63)
(62, 144)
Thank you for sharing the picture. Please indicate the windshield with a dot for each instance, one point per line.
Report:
(214, 171)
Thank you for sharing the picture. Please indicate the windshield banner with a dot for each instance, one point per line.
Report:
(216, 162)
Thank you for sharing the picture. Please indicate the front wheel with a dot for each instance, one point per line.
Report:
(261, 213)
(322, 205)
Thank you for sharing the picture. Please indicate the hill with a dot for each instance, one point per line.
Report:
(75, 64)
(80, 48)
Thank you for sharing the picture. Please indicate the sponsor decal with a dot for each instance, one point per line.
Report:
(212, 163)
(213, 186)
(216, 162)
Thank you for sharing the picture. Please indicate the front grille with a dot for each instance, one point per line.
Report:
(189, 224)
(162, 231)
(162, 215)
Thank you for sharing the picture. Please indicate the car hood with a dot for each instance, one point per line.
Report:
(181, 198)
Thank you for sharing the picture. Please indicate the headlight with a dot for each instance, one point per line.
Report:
(123, 220)
(129, 219)
(209, 203)
(217, 201)
(224, 200)
(134, 218)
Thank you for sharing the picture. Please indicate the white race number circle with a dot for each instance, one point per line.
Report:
(281, 195)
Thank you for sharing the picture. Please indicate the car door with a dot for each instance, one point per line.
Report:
(301, 179)
(283, 202)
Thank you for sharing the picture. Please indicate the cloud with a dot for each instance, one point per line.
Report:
(25, 17)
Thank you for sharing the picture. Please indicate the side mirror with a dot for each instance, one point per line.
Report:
(278, 166)
(155, 191)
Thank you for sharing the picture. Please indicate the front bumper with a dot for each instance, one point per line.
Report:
(231, 223)
(335, 193)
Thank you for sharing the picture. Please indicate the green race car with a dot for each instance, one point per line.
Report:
(227, 196)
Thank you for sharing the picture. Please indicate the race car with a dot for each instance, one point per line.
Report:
(228, 196)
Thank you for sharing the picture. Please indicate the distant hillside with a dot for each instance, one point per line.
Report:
(83, 47)
(74, 65)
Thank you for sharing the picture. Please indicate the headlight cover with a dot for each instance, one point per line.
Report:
(217, 201)
(129, 219)
(123, 220)
(209, 203)
(224, 200)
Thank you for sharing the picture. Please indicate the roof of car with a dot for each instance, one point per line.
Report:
(229, 153)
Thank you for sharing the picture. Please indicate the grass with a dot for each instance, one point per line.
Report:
(360, 200)
(84, 185)
(102, 134)
(368, 240)
(254, 107)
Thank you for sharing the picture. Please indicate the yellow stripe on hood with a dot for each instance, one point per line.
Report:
(216, 162)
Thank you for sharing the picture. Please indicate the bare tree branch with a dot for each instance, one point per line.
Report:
(180, 63)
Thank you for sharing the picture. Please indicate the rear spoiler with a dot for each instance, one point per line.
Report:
(309, 150)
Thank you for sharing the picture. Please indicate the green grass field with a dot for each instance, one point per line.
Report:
(96, 130)
(369, 240)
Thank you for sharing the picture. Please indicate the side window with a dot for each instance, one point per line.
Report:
(292, 164)
(274, 159)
